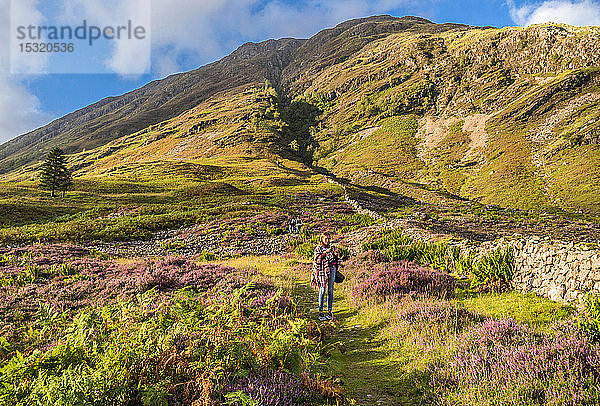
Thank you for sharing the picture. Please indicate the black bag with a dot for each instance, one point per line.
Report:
(339, 277)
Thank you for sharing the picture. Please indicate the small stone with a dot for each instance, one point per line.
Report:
(557, 293)
(568, 297)
(585, 272)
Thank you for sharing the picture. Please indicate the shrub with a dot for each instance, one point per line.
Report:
(424, 329)
(306, 250)
(589, 320)
(493, 272)
(172, 245)
(344, 253)
(208, 256)
(432, 312)
(269, 388)
(388, 238)
(501, 362)
(403, 279)
(437, 255)
(156, 347)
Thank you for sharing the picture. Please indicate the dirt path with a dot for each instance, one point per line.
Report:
(369, 376)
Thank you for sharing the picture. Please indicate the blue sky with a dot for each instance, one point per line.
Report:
(186, 34)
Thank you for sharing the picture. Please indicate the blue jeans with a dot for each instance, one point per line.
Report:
(329, 290)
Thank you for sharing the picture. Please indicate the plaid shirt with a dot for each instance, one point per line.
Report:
(322, 260)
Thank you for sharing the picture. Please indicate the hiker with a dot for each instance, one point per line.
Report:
(292, 227)
(325, 263)
(298, 224)
(295, 225)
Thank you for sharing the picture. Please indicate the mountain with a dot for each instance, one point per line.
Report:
(114, 117)
(436, 112)
(160, 100)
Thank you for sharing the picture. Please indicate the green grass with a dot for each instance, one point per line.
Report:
(528, 308)
(574, 180)
(453, 147)
(509, 177)
(379, 360)
(120, 208)
(391, 150)
(384, 360)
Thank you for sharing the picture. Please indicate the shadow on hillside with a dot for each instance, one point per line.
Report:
(441, 192)
(374, 198)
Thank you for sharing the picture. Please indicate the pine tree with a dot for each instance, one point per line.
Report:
(66, 181)
(55, 175)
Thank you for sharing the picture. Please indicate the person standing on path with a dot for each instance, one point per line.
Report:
(325, 263)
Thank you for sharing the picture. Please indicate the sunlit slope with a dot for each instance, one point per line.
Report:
(435, 112)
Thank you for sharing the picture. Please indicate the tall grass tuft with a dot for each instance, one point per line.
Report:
(589, 320)
(399, 247)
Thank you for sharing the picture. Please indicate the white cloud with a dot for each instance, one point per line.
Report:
(127, 57)
(24, 13)
(579, 13)
(165, 62)
(20, 110)
(134, 56)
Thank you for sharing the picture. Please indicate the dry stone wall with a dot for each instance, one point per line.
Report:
(561, 271)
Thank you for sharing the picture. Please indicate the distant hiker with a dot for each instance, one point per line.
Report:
(295, 225)
(292, 226)
(325, 263)
(298, 225)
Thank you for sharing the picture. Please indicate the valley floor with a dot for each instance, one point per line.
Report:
(166, 296)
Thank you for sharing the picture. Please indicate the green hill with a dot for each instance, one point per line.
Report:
(432, 111)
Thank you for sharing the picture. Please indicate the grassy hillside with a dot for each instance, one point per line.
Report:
(437, 113)
(152, 196)
(527, 113)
